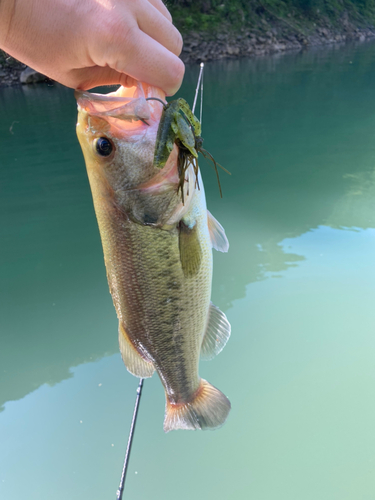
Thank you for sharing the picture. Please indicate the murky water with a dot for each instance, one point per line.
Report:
(298, 285)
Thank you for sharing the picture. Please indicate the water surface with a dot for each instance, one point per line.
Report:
(298, 285)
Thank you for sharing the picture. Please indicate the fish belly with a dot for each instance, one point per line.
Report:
(162, 312)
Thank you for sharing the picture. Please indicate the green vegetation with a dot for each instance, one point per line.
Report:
(224, 20)
(231, 15)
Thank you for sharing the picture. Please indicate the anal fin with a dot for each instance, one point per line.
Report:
(217, 333)
(133, 361)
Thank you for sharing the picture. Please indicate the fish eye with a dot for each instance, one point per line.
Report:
(103, 146)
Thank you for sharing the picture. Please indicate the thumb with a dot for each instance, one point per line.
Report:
(95, 76)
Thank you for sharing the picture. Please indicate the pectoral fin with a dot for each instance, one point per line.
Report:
(218, 237)
(133, 361)
(190, 250)
(216, 335)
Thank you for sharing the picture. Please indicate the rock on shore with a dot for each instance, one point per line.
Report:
(199, 47)
(29, 75)
(269, 36)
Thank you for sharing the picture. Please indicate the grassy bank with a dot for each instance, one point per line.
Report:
(215, 29)
(216, 16)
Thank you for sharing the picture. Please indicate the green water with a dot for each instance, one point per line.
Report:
(298, 285)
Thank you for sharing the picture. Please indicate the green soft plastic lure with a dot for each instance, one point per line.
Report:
(178, 125)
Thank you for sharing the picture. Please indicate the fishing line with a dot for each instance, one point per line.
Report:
(140, 386)
(200, 79)
(201, 109)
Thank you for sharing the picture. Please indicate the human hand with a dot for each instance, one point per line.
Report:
(86, 43)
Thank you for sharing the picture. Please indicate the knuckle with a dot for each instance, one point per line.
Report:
(121, 35)
(120, 44)
(114, 30)
(178, 42)
(129, 35)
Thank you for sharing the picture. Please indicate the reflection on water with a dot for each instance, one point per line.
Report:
(297, 134)
(356, 208)
(50, 246)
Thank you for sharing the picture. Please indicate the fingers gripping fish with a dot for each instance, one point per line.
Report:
(157, 238)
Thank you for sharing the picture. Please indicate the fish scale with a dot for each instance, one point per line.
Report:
(157, 245)
(161, 299)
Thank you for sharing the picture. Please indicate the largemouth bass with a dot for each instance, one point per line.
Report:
(157, 250)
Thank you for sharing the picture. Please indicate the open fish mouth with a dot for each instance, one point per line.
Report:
(125, 110)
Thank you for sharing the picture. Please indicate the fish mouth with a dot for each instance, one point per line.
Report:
(126, 110)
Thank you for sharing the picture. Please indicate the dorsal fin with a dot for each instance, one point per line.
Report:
(218, 237)
(216, 335)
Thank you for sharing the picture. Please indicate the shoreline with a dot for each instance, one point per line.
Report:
(278, 37)
(198, 47)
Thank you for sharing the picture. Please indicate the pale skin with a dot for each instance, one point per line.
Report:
(86, 43)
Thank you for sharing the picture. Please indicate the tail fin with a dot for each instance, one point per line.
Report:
(208, 410)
